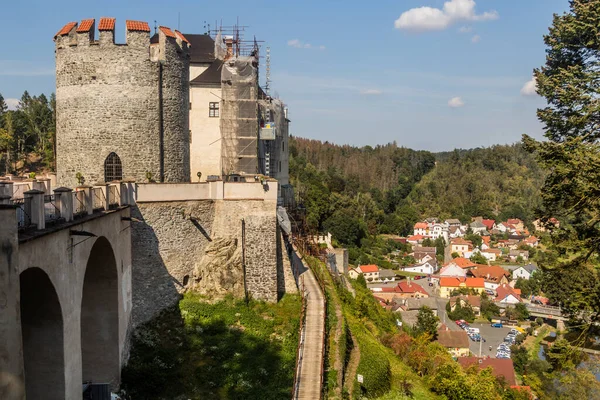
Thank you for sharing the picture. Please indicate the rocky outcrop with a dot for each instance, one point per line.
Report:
(220, 271)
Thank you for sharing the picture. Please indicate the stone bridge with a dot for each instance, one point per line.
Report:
(65, 290)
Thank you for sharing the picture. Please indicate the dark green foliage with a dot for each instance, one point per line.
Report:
(29, 128)
(518, 312)
(489, 309)
(561, 355)
(531, 286)
(478, 259)
(461, 312)
(226, 350)
(467, 183)
(520, 357)
(426, 322)
(571, 154)
(345, 227)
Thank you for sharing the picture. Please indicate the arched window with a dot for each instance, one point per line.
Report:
(113, 169)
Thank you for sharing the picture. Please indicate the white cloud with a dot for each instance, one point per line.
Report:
(529, 88)
(422, 19)
(475, 39)
(465, 29)
(371, 92)
(299, 44)
(12, 103)
(456, 102)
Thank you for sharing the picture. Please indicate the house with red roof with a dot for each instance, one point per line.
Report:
(493, 275)
(448, 285)
(415, 239)
(421, 228)
(404, 289)
(460, 246)
(489, 224)
(501, 367)
(507, 295)
(370, 272)
(463, 263)
(457, 342)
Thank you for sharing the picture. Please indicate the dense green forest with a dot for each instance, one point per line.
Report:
(357, 192)
(27, 134)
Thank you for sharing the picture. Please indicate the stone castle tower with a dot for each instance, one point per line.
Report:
(122, 109)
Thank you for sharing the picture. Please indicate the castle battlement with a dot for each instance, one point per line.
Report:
(165, 43)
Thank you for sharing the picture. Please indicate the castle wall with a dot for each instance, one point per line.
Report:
(107, 100)
(170, 239)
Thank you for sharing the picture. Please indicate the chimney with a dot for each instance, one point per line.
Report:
(229, 44)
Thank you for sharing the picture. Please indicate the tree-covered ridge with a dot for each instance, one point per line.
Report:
(497, 182)
(355, 192)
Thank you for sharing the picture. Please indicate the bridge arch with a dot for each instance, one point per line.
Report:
(42, 335)
(100, 316)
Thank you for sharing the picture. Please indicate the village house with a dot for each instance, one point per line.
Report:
(453, 223)
(460, 246)
(457, 342)
(463, 263)
(428, 267)
(408, 308)
(531, 241)
(516, 223)
(490, 224)
(387, 275)
(473, 301)
(453, 270)
(369, 272)
(501, 367)
(404, 289)
(493, 275)
(492, 254)
(415, 239)
(507, 295)
(477, 227)
(515, 254)
(448, 285)
(541, 227)
(456, 232)
(422, 254)
(524, 271)
(421, 228)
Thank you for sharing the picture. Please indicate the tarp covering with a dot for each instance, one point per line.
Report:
(284, 221)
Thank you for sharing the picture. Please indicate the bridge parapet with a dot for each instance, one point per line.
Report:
(37, 208)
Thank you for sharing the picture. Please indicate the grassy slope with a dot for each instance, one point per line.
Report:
(375, 357)
(225, 350)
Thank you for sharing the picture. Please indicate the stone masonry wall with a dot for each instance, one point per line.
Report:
(170, 239)
(107, 100)
(167, 239)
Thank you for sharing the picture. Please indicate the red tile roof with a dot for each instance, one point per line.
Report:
(489, 223)
(410, 287)
(66, 29)
(463, 262)
(369, 268)
(486, 239)
(466, 282)
(106, 24)
(503, 291)
(181, 36)
(139, 26)
(460, 241)
(514, 221)
(421, 225)
(500, 366)
(167, 31)
(85, 26)
(492, 273)
(415, 237)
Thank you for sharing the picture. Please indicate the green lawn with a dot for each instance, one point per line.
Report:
(225, 350)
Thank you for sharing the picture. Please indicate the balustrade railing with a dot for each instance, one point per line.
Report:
(51, 210)
(37, 209)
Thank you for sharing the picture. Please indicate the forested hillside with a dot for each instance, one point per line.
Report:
(497, 182)
(355, 192)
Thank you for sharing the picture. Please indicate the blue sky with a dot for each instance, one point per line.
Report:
(436, 78)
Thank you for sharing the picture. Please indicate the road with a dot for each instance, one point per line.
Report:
(309, 375)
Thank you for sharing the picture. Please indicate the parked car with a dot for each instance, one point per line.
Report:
(497, 325)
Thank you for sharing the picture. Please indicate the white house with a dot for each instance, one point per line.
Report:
(370, 272)
(478, 227)
(453, 270)
(428, 267)
(524, 272)
(507, 295)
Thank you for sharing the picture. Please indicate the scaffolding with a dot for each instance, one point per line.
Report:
(239, 115)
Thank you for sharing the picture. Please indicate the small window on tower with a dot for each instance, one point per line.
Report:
(213, 109)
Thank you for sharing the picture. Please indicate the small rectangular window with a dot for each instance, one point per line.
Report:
(190, 105)
(213, 109)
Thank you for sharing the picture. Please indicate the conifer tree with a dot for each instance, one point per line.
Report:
(570, 83)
